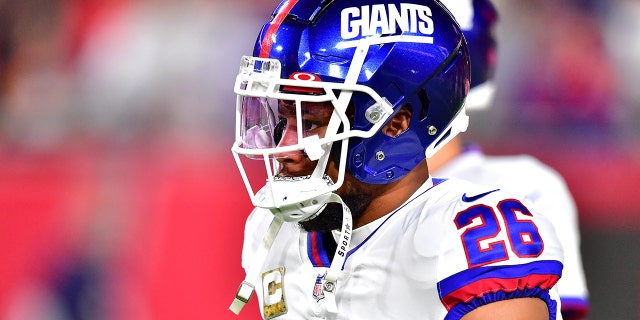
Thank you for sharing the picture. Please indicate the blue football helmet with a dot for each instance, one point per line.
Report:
(478, 18)
(364, 59)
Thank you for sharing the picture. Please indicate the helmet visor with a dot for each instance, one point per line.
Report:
(268, 123)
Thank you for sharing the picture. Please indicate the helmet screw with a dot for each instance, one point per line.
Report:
(379, 155)
(432, 130)
(357, 159)
(374, 113)
(390, 174)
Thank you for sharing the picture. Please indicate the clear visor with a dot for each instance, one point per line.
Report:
(268, 123)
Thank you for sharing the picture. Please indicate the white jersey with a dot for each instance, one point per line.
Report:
(544, 187)
(452, 247)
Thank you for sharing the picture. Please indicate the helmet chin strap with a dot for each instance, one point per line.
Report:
(331, 278)
(247, 287)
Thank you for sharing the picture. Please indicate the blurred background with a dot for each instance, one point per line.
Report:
(119, 197)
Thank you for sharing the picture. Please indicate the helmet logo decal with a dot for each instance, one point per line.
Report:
(386, 19)
(303, 76)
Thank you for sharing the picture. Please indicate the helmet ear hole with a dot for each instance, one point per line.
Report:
(399, 123)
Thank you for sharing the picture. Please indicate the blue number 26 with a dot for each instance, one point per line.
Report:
(481, 242)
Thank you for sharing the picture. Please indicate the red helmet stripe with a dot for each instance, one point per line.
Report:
(269, 37)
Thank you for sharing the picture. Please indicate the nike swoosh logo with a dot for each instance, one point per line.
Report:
(476, 197)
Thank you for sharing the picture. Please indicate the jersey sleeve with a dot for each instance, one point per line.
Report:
(496, 248)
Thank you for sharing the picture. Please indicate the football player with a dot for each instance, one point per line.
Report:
(522, 173)
(343, 101)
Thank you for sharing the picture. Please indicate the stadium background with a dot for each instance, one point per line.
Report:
(119, 198)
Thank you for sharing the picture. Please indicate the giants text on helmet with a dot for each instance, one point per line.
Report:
(385, 19)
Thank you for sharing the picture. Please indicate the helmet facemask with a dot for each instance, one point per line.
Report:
(298, 117)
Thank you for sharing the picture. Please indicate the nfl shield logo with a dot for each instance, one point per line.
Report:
(318, 291)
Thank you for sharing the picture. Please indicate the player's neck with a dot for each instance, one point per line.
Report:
(391, 196)
(447, 153)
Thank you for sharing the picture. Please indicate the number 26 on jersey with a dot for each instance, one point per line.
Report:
(485, 243)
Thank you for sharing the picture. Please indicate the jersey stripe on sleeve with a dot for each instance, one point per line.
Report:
(470, 284)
